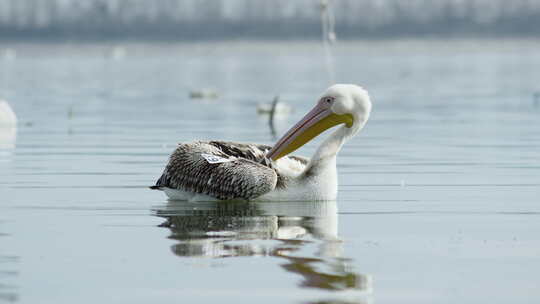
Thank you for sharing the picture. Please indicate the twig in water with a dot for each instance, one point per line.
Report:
(271, 116)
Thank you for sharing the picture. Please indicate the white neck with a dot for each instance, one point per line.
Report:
(325, 156)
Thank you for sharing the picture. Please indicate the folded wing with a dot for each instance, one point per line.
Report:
(224, 170)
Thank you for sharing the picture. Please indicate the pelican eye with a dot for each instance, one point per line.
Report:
(328, 99)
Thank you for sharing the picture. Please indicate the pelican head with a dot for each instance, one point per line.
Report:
(341, 104)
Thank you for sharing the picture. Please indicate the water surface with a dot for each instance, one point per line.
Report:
(438, 196)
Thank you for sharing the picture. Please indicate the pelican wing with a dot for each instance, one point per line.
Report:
(223, 170)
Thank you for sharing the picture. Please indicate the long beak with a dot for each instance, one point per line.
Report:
(319, 119)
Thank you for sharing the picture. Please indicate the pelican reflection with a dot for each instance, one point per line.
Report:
(303, 234)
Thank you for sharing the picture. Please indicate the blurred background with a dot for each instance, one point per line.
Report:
(233, 19)
(438, 197)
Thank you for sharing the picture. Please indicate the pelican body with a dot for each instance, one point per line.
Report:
(219, 170)
(7, 116)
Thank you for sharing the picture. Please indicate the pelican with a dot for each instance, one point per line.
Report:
(219, 170)
(8, 126)
(7, 116)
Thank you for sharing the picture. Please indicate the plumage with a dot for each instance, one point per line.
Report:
(220, 170)
(247, 173)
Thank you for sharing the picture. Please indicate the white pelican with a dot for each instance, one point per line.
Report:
(217, 170)
(281, 109)
(8, 126)
(7, 116)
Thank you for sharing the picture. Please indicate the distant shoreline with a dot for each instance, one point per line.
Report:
(219, 20)
(169, 38)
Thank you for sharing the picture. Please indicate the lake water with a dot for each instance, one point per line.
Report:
(438, 198)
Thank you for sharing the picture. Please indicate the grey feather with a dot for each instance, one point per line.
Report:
(247, 175)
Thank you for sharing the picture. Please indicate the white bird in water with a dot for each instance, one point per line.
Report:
(280, 109)
(8, 126)
(217, 170)
(7, 116)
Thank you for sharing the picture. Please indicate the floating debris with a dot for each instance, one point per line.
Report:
(203, 94)
(7, 116)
